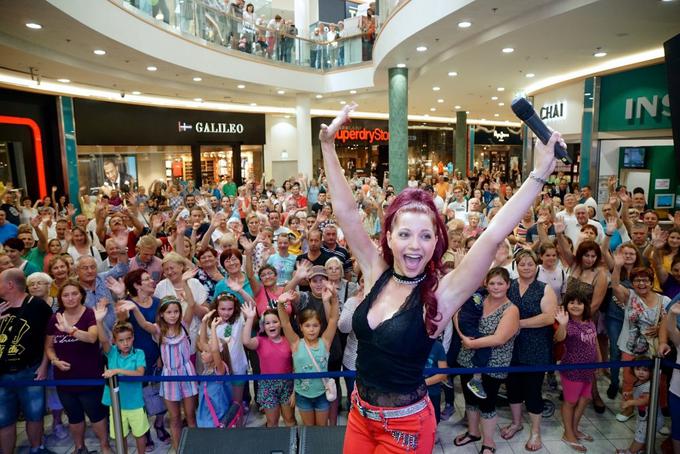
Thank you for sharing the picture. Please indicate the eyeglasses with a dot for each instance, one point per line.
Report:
(642, 280)
(38, 283)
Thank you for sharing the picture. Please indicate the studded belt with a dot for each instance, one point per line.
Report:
(379, 415)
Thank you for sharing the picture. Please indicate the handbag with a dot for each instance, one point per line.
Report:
(153, 402)
(328, 384)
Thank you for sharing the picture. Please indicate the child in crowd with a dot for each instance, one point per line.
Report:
(468, 323)
(214, 397)
(227, 310)
(640, 399)
(436, 360)
(310, 354)
(273, 351)
(173, 339)
(124, 359)
(579, 334)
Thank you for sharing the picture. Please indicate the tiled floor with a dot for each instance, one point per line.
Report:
(608, 433)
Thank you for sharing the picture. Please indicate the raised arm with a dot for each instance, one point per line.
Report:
(282, 301)
(562, 243)
(100, 312)
(250, 342)
(343, 201)
(329, 297)
(454, 288)
(132, 308)
(620, 292)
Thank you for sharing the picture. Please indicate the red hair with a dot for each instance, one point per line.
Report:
(419, 201)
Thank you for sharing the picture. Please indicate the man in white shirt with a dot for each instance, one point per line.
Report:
(475, 206)
(573, 228)
(587, 198)
(568, 213)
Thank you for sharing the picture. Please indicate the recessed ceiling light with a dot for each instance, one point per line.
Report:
(281, 92)
(352, 92)
(501, 104)
(453, 73)
(253, 104)
(440, 100)
(319, 96)
(136, 92)
(600, 54)
(151, 68)
(343, 102)
(240, 86)
(493, 98)
(464, 24)
(587, 94)
(432, 109)
(483, 119)
(286, 116)
(529, 75)
(467, 112)
(33, 26)
(401, 65)
(64, 81)
(436, 88)
(500, 89)
(496, 115)
(198, 99)
(421, 48)
(456, 107)
(508, 50)
(197, 79)
(426, 115)
(591, 98)
(99, 52)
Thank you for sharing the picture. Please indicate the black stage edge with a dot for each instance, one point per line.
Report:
(263, 440)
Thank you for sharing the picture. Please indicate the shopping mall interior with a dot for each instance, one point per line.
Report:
(174, 90)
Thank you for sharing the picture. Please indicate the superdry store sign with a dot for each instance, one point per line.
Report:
(104, 123)
(362, 135)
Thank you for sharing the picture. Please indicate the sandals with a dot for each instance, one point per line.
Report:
(507, 432)
(531, 443)
(458, 441)
(583, 436)
(162, 434)
(487, 448)
(578, 447)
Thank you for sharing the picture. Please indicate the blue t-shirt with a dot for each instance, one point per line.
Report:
(222, 287)
(436, 354)
(8, 231)
(131, 396)
(285, 267)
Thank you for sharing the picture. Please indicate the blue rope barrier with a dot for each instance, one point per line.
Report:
(669, 363)
(333, 374)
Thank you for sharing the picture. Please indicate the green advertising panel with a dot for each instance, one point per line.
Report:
(636, 99)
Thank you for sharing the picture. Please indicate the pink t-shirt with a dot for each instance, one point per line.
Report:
(266, 299)
(275, 357)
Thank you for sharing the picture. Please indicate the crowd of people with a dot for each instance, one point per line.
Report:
(259, 278)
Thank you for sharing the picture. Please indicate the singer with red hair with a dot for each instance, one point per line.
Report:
(408, 300)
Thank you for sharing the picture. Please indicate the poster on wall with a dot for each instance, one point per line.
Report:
(107, 172)
(662, 183)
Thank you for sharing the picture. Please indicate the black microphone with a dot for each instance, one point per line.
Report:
(525, 112)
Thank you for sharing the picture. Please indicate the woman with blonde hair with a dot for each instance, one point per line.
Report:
(79, 244)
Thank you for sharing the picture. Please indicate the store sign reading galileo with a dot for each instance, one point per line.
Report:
(211, 127)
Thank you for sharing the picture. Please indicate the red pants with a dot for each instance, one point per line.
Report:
(414, 433)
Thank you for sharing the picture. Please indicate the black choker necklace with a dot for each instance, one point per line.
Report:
(408, 280)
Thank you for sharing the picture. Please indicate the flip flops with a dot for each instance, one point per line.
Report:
(507, 432)
(470, 439)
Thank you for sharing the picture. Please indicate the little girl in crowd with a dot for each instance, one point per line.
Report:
(274, 396)
(579, 334)
(173, 338)
(214, 397)
(227, 310)
(310, 354)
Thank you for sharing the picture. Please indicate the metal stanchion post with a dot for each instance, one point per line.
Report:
(121, 445)
(652, 409)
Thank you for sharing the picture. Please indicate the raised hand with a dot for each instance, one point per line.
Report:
(561, 316)
(62, 325)
(116, 286)
(303, 269)
(612, 224)
(328, 291)
(101, 309)
(189, 274)
(618, 258)
(215, 323)
(246, 244)
(249, 310)
(166, 249)
(327, 133)
(659, 237)
(207, 316)
(544, 156)
(559, 225)
(70, 210)
(181, 226)
(625, 198)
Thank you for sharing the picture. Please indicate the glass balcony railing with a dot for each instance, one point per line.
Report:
(329, 47)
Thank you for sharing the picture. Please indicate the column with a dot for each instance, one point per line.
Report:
(301, 10)
(196, 165)
(460, 156)
(589, 165)
(69, 152)
(305, 158)
(398, 126)
(236, 163)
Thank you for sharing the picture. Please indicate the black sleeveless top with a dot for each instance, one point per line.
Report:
(391, 358)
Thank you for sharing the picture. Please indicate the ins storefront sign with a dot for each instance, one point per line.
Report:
(211, 127)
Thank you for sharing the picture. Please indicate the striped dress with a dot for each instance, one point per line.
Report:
(176, 356)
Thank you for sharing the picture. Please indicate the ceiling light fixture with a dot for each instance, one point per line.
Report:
(493, 98)
(319, 96)
(500, 89)
(64, 81)
(421, 49)
(501, 104)
(436, 88)
(197, 79)
(151, 68)
(432, 109)
(453, 73)
(343, 102)
(440, 100)
(281, 92)
(496, 115)
(464, 24)
(352, 92)
(508, 50)
(99, 52)
(456, 107)
(401, 65)
(241, 86)
(529, 75)
(33, 25)
(253, 104)
(599, 53)
(198, 99)
(136, 93)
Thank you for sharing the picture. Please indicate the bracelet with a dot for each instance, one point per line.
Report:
(535, 177)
